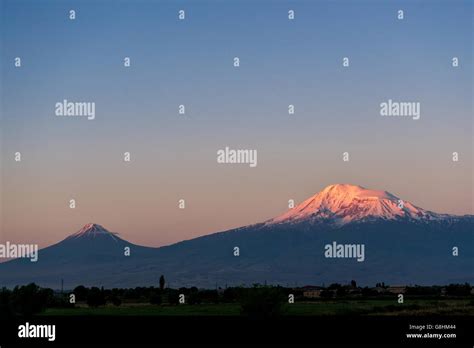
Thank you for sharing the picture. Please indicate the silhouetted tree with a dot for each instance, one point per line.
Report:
(6, 308)
(95, 297)
(30, 299)
(353, 284)
(162, 282)
(458, 289)
(80, 292)
(194, 298)
(334, 286)
(114, 296)
(173, 296)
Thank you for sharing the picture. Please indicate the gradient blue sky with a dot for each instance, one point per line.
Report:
(190, 62)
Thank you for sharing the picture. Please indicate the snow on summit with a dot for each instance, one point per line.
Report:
(344, 203)
(91, 231)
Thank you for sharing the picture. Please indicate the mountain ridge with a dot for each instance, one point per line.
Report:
(415, 248)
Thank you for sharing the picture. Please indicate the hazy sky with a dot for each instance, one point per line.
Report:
(190, 62)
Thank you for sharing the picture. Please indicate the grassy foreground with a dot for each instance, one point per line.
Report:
(339, 307)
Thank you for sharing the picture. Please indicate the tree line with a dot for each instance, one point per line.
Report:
(256, 300)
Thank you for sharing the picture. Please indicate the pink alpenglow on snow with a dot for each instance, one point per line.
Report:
(91, 231)
(343, 203)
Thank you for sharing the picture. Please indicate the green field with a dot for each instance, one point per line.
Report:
(339, 307)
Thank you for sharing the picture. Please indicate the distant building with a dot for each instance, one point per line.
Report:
(310, 291)
(397, 289)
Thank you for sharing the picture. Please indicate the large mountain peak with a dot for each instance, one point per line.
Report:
(348, 190)
(344, 203)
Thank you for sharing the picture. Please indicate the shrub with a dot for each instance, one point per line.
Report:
(116, 301)
(263, 302)
(95, 297)
(80, 292)
(30, 299)
(156, 299)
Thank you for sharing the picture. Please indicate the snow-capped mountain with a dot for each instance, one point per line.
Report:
(344, 203)
(92, 230)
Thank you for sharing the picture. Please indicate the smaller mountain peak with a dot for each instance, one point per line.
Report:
(92, 225)
(91, 230)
